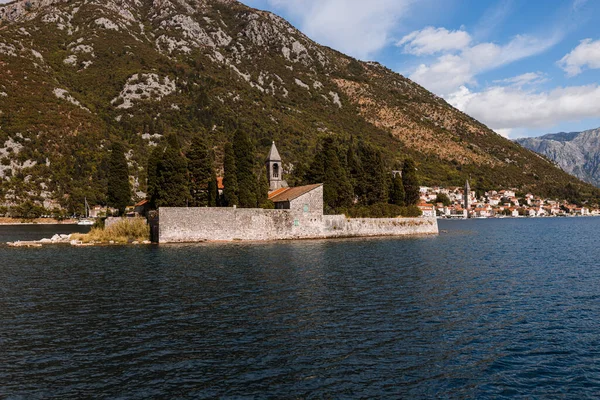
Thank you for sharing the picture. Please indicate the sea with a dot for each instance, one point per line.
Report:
(498, 308)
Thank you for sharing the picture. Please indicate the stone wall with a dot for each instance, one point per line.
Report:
(313, 201)
(188, 225)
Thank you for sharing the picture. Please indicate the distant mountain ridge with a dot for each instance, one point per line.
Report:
(577, 153)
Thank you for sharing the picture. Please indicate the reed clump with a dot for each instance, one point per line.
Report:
(127, 230)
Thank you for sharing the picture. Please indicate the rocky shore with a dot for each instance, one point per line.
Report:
(64, 240)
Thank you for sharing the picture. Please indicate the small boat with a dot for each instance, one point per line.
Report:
(87, 221)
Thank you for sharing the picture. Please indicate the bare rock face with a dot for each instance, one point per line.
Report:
(577, 153)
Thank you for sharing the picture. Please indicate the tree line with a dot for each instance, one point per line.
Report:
(178, 179)
(357, 179)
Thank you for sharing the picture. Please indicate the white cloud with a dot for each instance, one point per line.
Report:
(529, 78)
(506, 108)
(434, 40)
(356, 27)
(450, 71)
(587, 54)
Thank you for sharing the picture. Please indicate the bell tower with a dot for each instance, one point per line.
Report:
(275, 170)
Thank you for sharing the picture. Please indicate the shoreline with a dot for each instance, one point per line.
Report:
(36, 221)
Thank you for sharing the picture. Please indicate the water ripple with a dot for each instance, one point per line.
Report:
(493, 309)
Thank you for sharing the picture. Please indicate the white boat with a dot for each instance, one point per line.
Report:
(87, 221)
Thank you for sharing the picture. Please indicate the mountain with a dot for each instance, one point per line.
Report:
(77, 75)
(578, 153)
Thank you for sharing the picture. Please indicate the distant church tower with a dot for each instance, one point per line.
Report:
(275, 170)
(466, 195)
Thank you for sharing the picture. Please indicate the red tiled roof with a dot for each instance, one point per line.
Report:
(141, 203)
(277, 192)
(220, 183)
(291, 193)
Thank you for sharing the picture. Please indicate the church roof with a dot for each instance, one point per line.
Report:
(289, 194)
(274, 154)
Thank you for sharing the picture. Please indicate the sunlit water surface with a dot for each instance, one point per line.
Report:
(488, 309)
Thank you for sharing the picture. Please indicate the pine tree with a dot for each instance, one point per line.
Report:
(230, 184)
(244, 163)
(411, 183)
(171, 177)
(397, 195)
(119, 188)
(202, 173)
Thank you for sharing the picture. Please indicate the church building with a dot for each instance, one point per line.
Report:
(303, 199)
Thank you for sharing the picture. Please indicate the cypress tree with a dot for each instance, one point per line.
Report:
(397, 195)
(202, 173)
(355, 170)
(152, 171)
(337, 190)
(244, 163)
(119, 188)
(410, 182)
(171, 178)
(262, 194)
(230, 198)
(213, 190)
(374, 183)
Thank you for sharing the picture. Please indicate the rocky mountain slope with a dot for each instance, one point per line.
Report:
(76, 75)
(578, 153)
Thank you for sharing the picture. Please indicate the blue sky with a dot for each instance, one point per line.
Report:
(524, 68)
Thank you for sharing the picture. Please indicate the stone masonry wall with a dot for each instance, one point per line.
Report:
(188, 225)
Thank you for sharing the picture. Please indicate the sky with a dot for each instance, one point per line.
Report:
(524, 68)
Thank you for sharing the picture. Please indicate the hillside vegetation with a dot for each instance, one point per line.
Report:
(77, 76)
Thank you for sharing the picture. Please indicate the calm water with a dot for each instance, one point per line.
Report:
(490, 309)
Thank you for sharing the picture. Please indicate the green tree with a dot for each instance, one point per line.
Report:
(262, 194)
(200, 161)
(171, 177)
(244, 163)
(397, 195)
(411, 182)
(327, 168)
(374, 180)
(213, 190)
(230, 183)
(119, 188)
(152, 172)
(443, 198)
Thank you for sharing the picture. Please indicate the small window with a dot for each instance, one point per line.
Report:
(296, 222)
(275, 170)
(306, 208)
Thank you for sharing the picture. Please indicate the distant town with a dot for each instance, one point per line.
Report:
(453, 203)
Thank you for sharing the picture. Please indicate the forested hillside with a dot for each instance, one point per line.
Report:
(77, 76)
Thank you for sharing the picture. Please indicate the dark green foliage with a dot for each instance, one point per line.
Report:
(397, 195)
(262, 193)
(200, 161)
(411, 183)
(213, 190)
(326, 168)
(27, 210)
(152, 172)
(230, 182)
(244, 163)
(119, 188)
(373, 181)
(171, 182)
(443, 198)
(382, 210)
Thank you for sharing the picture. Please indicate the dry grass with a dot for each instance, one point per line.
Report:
(127, 230)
